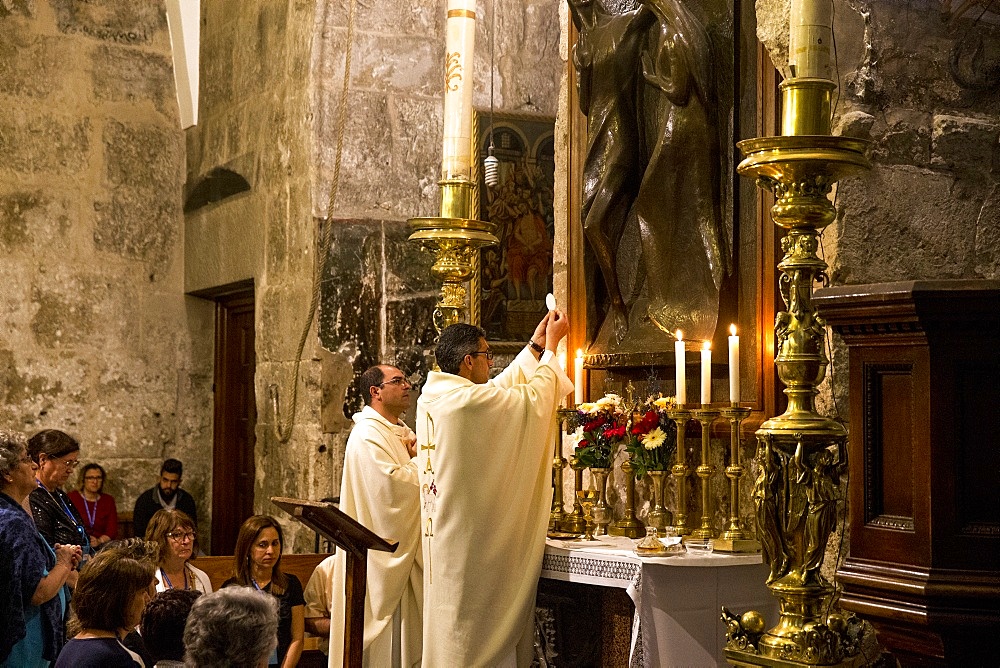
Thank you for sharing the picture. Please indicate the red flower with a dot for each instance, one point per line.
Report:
(583, 444)
(594, 424)
(646, 424)
(615, 432)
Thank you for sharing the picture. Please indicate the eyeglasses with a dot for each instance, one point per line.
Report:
(181, 536)
(69, 463)
(396, 381)
(488, 353)
(93, 477)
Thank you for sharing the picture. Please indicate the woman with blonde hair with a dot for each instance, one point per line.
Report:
(258, 565)
(173, 531)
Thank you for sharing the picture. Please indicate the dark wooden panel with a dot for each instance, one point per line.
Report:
(924, 558)
(891, 483)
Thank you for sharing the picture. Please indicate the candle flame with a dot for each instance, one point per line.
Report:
(579, 352)
(732, 330)
(707, 345)
(680, 335)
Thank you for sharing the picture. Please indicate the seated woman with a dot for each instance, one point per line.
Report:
(232, 627)
(258, 565)
(113, 589)
(32, 601)
(56, 454)
(173, 531)
(100, 515)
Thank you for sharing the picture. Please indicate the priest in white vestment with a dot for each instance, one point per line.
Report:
(484, 454)
(380, 490)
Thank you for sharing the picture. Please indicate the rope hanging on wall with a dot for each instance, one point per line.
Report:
(283, 432)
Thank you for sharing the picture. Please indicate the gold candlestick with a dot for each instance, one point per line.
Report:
(800, 454)
(680, 471)
(705, 471)
(573, 522)
(558, 464)
(629, 525)
(734, 539)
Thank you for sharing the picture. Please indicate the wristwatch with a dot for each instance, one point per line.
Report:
(534, 346)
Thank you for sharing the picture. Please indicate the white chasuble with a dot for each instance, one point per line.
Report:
(379, 490)
(484, 454)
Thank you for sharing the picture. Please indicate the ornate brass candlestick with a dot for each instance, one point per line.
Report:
(573, 522)
(705, 471)
(454, 238)
(734, 539)
(800, 453)
(680, 471)
(629, 525)
(558, 464)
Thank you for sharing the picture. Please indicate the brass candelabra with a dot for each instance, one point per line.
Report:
(557, 516)
(680, 471)
(734, 538)
(800, 453)
(454, 237)
(705, 470)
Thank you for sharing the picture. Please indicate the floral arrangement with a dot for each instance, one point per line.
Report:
(652, 436)
(605, 426)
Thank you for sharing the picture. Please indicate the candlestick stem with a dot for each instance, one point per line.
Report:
(680, 471)
(705, 471)
(734, 538)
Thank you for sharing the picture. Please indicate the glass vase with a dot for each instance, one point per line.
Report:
(600, 511)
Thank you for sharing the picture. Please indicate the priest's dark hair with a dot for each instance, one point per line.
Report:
(372, 377)
(455, 342)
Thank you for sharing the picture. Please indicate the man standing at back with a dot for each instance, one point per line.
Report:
(484, 458)
(379, 490)
(167, 493)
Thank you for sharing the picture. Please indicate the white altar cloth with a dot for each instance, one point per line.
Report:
(678, 600)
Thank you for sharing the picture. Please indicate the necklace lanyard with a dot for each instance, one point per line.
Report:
(170, 585)
(56, 497)
(91, 516)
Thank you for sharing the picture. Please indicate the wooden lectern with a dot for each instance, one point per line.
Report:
(352, 537)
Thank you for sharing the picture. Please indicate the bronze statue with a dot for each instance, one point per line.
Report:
(606, 57)
(653, 153)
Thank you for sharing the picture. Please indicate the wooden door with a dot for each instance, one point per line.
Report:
(235, 418)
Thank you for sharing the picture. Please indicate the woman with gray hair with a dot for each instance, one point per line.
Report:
(231, 628)
(32, 575)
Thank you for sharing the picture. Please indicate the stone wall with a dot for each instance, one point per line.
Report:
(255, 121)
(98, 339)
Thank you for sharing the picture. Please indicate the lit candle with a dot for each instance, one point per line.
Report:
(578, 377)
(734, 366)
(460, 44)
(680, 376)
(706, 373)
(810, 36)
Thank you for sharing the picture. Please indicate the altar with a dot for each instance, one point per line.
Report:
(677, 599)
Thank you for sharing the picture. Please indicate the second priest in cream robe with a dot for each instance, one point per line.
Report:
(379, 489)
(484, 458)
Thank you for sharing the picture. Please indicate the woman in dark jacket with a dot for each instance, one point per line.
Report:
(56, 454)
